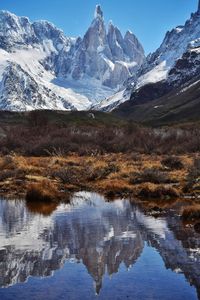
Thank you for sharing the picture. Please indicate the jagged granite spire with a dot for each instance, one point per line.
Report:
(99, 55)
(98, 12)
(198, 7)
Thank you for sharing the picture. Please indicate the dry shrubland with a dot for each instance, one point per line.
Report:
(49, 158)
(41, 134)
(116, 175)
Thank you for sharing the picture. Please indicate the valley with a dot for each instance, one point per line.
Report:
(99, 152)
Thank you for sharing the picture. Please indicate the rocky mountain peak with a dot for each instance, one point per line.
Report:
(98, 12)
(94, 66)
(103, 55)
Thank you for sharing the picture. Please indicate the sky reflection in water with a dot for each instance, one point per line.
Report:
(93, 247)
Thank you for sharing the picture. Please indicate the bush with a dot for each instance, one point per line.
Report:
(102, 172)
(191, 213)
(9, 174)
(197, 227)
(173, 163)
(37, 118)
(150, 175)
(7, 162)
(41, 133)
(160, 192)
(194, 173)
(68, 175)
(116, 189)
(44, 191)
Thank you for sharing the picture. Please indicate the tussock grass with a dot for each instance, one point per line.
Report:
(160, 192)
(113, 174)
(44, 191)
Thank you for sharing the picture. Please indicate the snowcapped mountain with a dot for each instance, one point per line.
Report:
(176, 43)
(41, 68)
(104, 56)
(174, 63)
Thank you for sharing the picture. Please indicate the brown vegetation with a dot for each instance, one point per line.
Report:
(115, 175)
(46, 155)
(191, 213)
(161, 192)
(173, 163)
(151, 175)
(44, 191)
(42, 133)
(193, 178)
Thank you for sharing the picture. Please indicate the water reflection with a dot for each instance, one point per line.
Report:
(43, 208)
(100, 235)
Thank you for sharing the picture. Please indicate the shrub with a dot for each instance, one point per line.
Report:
(7, 162)
(56, 133)
(44, 191)
(160, 192)
(191, 213)
(173, 163)
(150, 175)
(65, 175)
(37, 118)
(102, 172)
(10, 174)
(194, 173)
(116, 189)
(197, 227)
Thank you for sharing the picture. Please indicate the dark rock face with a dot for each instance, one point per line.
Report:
(185, 69)
(150, 92)
(179, 58)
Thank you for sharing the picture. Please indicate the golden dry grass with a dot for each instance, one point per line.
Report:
(43, 191)
(108, 174)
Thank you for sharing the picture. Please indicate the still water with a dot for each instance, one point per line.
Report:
(92, 249)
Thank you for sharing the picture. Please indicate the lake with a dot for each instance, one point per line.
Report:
(93, 249)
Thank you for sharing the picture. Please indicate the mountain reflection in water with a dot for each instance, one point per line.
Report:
(100, 236)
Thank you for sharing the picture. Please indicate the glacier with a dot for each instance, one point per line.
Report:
(41, 68)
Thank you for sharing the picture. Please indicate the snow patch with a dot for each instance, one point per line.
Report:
(158, 73)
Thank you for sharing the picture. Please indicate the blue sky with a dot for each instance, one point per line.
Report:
(148, 19)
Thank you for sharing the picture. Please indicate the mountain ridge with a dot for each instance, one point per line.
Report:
(168, 71)
(73, 72)
(103, 70)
